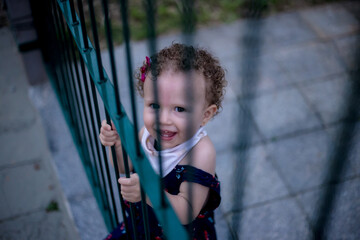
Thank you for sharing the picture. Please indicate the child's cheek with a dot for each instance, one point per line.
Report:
(181, 115)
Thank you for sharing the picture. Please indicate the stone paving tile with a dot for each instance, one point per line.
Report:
(12, 84)
(88, 219)
(282, 112)
(352, 167)
(5, 211)
(344, 216)
(347, 48)
(64, 153)
(222, 227)
(44, 98)
(15, 120)
(231, 38)
(22, 145)
(72, 175)
(28, 183)
(243, 132)
(248, 177)
(8, 49)
(69, 166)
(262, 74)
(302, 159)
(330, 20)
(7, 40)
(242, 38)
(310, 61)
(41, 192)
(287, 29)
(25, 115)
(273, 32)
(328, 97)
(7, 83)
(38, 225)
(277, 220)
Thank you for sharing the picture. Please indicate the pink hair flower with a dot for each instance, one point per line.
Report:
(148, 61)
(144, 68)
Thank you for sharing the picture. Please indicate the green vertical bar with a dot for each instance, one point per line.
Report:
(79, 93)
(118, 104)
(97, 192)
(91, 170)
(167, 217)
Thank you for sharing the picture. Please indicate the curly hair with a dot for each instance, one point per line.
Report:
(180, 57)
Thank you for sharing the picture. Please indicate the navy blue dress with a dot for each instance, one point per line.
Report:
(203, 226)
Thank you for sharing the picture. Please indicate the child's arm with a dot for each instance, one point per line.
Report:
(130, 190)
(109, 137)
(181, 202)
(203, 157)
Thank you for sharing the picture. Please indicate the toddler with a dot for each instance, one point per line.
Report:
(191, 86)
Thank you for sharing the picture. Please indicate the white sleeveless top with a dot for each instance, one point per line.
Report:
(170, 157)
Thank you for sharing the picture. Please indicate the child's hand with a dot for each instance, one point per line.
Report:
(108, 136)
(130, 188)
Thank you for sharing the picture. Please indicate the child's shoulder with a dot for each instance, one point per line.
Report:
(203, 155)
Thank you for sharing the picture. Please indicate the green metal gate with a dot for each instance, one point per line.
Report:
(78, 76)
(77, 88)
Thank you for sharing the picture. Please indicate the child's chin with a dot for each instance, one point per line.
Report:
(168, 146)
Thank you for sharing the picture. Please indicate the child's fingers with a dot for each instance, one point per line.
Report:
(106, 141)
(113, 126)
(108, 136)
(106, 130)
(124, 182)
(107, 126)
(131, 197)
(130, 188)
(104, 124)
(132, 181)
(108, 133)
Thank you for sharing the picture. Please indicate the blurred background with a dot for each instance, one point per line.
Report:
(287, 139)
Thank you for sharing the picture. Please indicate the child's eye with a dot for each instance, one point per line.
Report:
(154, 106)
(179, 109)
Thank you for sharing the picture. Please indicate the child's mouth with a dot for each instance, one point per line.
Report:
(167, 135)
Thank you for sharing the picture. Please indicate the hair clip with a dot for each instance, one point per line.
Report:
(144, 68)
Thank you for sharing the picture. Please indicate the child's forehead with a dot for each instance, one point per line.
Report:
(176, 84)
(180, 79)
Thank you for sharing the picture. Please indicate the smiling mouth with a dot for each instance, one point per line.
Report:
(167, 135)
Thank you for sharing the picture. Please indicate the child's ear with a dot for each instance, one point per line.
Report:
(208, 114)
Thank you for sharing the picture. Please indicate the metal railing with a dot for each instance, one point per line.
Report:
(78, 76)
(77, 88)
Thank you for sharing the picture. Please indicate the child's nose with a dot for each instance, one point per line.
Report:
(165, 117)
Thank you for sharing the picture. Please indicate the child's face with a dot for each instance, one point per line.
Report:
(179, 116)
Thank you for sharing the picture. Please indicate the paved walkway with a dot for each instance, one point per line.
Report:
(282, 115)
(32, 202)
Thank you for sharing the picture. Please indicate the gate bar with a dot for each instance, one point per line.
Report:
(148, 4)
(126, 33)
(101, 82)
(166, 216)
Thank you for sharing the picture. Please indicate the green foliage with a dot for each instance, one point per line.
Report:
(53, 206)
